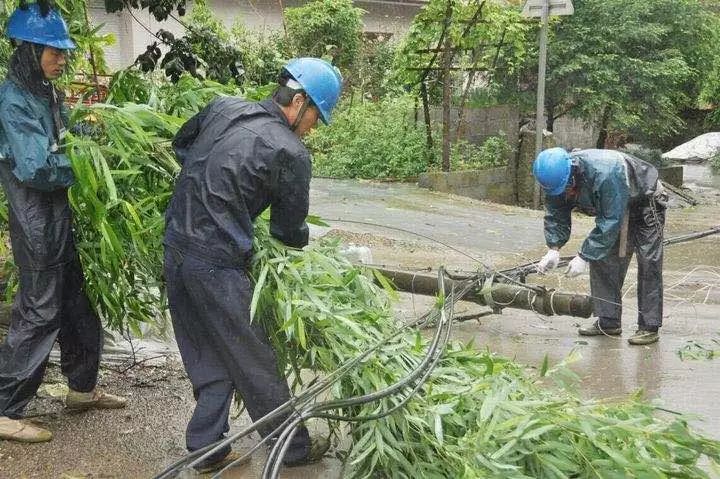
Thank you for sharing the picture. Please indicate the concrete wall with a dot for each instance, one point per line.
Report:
(132, 35)
(493, 185)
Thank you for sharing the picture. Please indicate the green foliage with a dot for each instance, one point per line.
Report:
(124, 174)
(370, 140)
(160, 9)
(124, 177)
(478, 415)
(715, 163)
(210, 41)
(204, 51)
(474, 42)
(694, 350)
(380, 140)
(710, 94)
(374, 67)
(325, 28)
(629, 66)
(494, 152)
(263, 56)
(5, 47)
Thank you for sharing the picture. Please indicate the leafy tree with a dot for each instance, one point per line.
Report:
(160, 9)
(474, 29)
(631, 66)
(205, 51)
(460, 42)
(374, 67)
(323, 28)
(263, 55)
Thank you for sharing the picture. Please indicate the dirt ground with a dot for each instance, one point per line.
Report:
(437, 229)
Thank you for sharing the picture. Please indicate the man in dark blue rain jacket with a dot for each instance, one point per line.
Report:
(239, 158)
(628, 202)
(50, 303)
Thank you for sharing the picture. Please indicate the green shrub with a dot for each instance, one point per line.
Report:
(263, 54)
(326, 28)
(371, 140)
(715, 163)
(492, 153)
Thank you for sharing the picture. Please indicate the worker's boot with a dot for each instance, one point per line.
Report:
(643, 336)
(94, 400)
(597, 330)
(205, 468)
(22, 431)
(319, 445)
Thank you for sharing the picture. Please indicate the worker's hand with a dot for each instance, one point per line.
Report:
(549, 261)
(576, 267)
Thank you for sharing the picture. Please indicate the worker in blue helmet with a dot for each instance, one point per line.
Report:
(629, 203)
(239, 158)
(50, 303)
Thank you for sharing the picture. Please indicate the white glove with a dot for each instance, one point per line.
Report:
(549, 261)
(576, 267)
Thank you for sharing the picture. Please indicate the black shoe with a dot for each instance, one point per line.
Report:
(597, 330)
(221, 463)
(318, 447)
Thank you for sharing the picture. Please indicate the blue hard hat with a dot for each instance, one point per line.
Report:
(320, 80)
(29, 25)
(552, 170)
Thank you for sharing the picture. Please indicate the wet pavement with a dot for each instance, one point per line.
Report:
(467, 234)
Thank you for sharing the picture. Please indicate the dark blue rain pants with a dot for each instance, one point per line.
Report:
(222, 351)
(645, 239)
(50, 303)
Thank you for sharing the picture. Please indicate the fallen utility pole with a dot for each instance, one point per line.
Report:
(497, 295)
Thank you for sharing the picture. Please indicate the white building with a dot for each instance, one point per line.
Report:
(133, 30)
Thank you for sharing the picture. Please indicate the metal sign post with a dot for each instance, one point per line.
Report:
(543, 9)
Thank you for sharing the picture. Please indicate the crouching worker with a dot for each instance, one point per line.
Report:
(628, 201)
(238, 158)
(50, 303)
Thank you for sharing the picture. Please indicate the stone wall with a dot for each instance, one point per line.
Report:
(480, 123)
(571, 133)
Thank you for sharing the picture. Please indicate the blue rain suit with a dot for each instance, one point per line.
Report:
(237, 159)
(50, 303)
(612, 185)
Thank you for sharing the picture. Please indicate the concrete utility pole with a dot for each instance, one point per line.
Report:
(543, 9)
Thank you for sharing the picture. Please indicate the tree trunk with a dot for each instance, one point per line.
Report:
(446, 104)
(426, 113)
(602, 137)
(550, 121)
